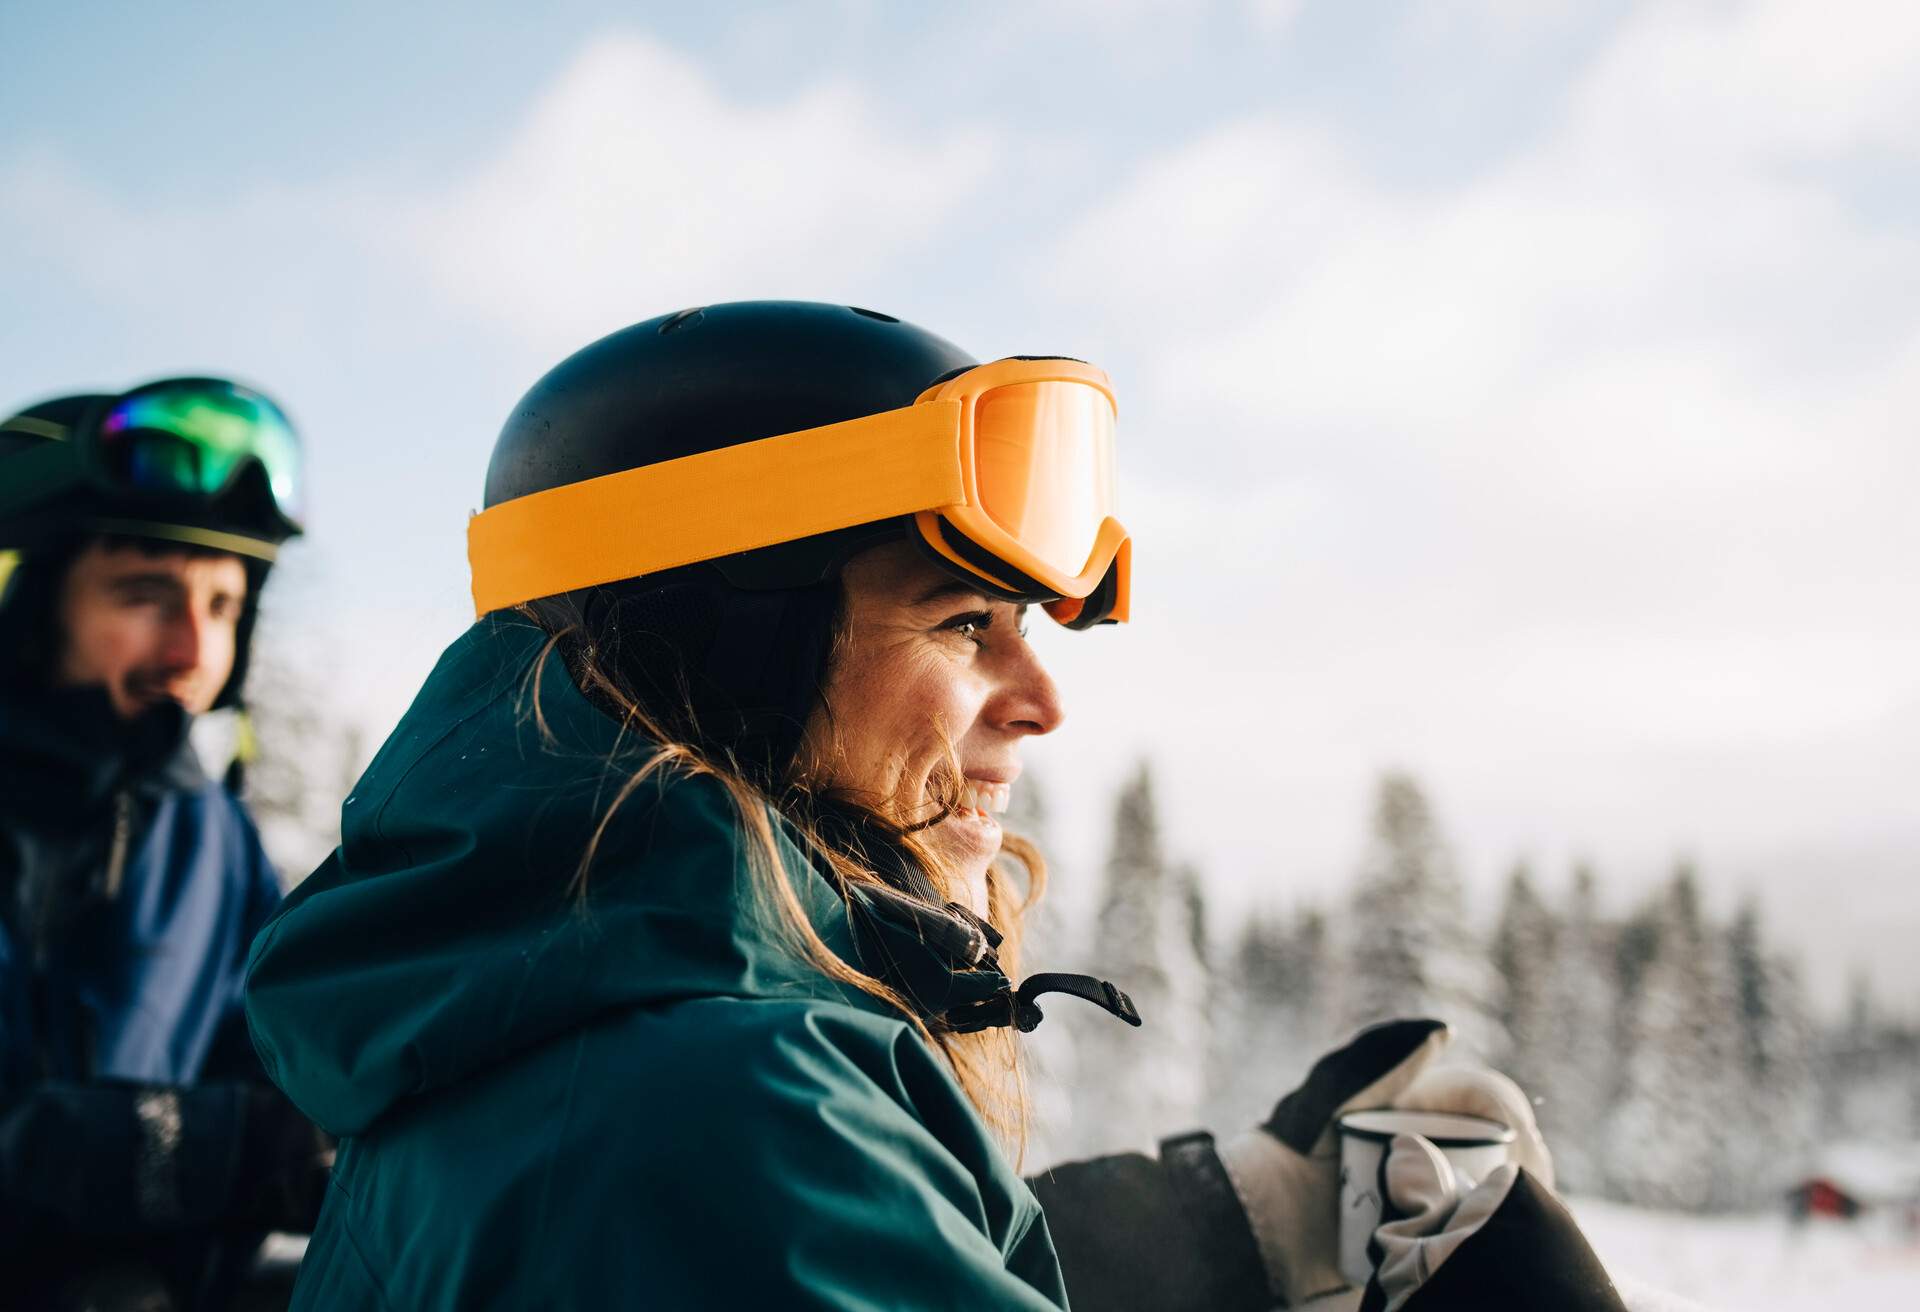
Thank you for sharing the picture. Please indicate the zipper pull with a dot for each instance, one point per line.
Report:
(117, 850)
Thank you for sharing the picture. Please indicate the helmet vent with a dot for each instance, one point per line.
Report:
(874, 314)
(684, 319)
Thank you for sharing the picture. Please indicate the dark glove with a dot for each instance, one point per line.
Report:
(1506, 1242)
(284, 1163)
(129, 1159)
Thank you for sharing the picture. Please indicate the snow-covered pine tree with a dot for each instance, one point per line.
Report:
(1774, 1110)
(1410, 950)
(1047, 942)
(1578, 1057)
(1044, 935)
(1312, 985)
(1268, 1022)
(1191, 892)
(1135, 1086)
(307, 752)
(1525, 942)
(1667, 1134)
(1846, 1048)
(1872, 1071)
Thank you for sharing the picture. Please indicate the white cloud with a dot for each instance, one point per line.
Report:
(1204, 236)
(636, 186)
(1272, 16)
(1507, 24)
(250, 265)
(1745, 84)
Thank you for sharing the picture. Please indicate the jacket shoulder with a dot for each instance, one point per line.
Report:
(787, 1089)
(717, 1152)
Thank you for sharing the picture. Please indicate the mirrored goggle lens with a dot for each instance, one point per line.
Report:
(196, 440)
(1043, 453)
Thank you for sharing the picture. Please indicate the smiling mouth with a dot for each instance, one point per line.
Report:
(983, 801)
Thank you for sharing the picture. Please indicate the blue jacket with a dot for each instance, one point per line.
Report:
(130, 888)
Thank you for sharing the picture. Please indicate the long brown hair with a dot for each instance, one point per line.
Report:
(986, 1063)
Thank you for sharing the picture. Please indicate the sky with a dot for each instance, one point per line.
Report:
(1518, 392)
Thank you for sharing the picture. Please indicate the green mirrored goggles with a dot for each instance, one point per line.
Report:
(195, 438)
(186, 438)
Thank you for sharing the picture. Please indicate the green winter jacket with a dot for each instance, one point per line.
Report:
(646, 1104)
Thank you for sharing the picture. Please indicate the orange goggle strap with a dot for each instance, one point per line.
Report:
(717, 503)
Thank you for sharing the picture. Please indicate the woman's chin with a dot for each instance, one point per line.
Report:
(970, 840)
(972, 836)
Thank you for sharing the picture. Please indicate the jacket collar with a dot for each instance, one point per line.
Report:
(67, 751)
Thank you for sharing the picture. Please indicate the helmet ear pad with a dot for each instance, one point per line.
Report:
(230, 692)
(29, 616)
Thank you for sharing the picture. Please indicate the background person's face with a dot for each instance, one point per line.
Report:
(146, 627)
(926, 663)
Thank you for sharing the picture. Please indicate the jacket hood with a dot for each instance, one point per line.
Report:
(441, 936)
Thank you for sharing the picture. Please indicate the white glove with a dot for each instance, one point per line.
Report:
(1287, 1171)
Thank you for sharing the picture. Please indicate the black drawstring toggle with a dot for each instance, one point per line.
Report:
(1016, 1007)
(963, 956)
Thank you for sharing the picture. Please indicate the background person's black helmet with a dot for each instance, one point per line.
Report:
(205, 461)
(730, 652)
(40, 536)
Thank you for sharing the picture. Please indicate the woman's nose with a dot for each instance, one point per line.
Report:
(1031, 700)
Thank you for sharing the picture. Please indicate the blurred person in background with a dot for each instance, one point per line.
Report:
(143, 1156)
(668, 958)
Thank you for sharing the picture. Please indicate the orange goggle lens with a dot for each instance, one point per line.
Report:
(1043, 461)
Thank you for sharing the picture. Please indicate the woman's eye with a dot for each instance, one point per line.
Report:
(972, 626)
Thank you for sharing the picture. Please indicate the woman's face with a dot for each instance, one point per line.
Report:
(926, 663)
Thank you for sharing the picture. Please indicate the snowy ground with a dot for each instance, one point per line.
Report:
(1757, 1264)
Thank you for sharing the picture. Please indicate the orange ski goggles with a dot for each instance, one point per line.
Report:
(1005, 472)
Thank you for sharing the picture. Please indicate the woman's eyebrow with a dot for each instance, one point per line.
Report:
(945, 590)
